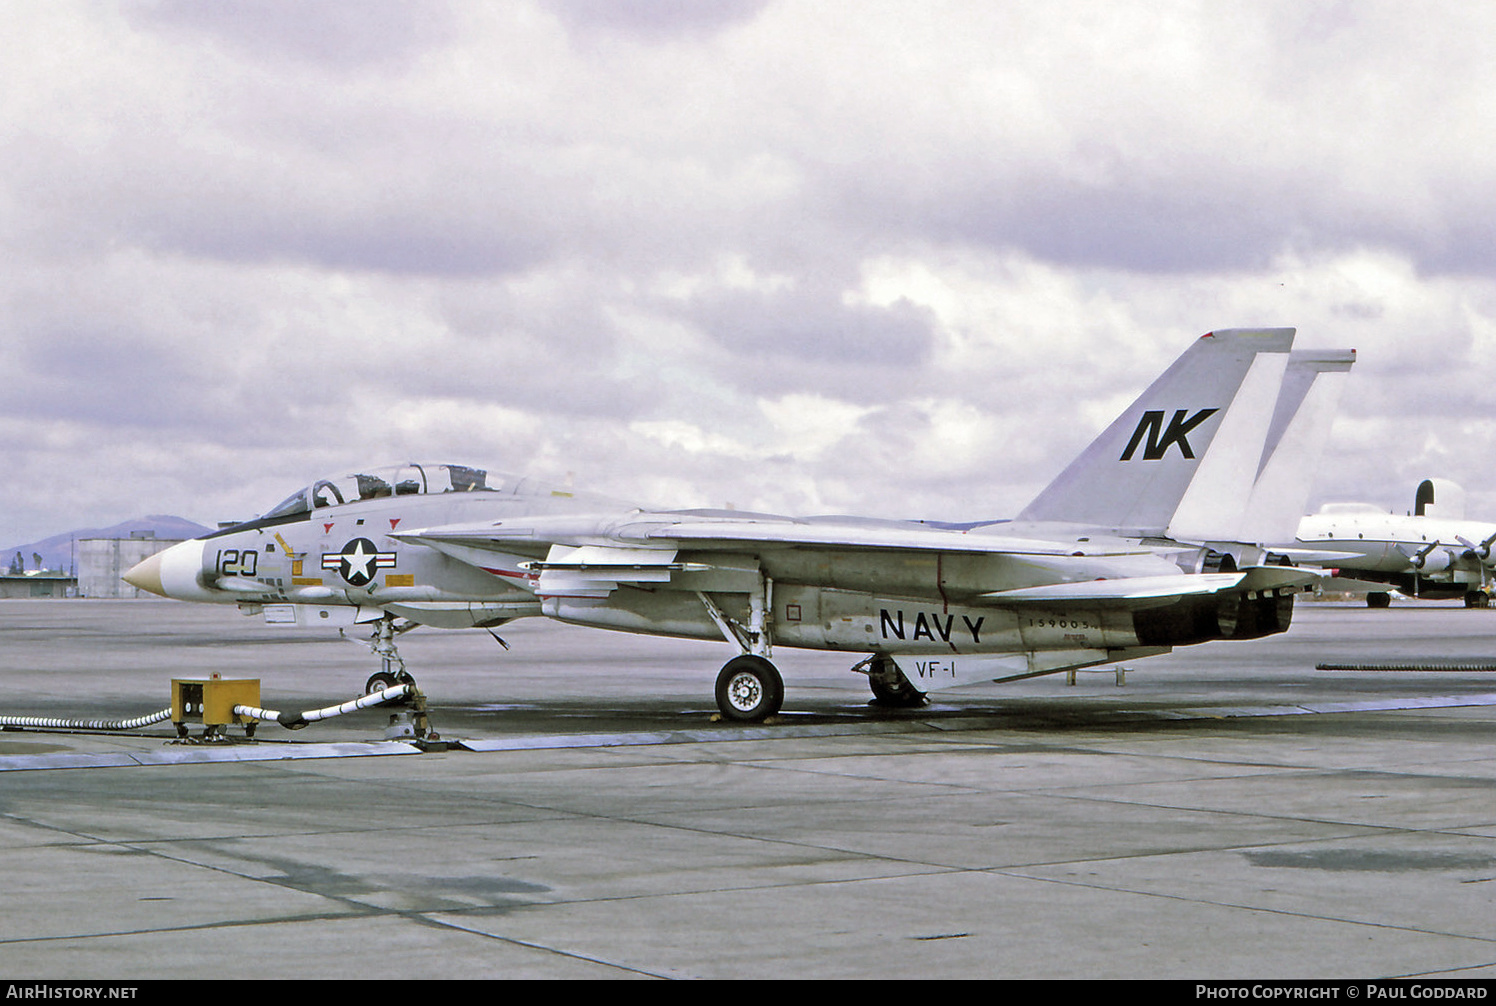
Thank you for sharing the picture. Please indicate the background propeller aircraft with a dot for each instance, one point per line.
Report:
(1108, 563)
(1432, 552)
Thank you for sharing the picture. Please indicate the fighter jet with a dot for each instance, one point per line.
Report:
(1105, 565)
(1433, 552)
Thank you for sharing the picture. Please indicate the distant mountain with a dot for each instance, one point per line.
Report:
(57, 551)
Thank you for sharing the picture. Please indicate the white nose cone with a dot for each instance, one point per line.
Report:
(146, 575)
(175, 572)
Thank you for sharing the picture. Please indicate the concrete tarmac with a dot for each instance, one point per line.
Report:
(1230, 813)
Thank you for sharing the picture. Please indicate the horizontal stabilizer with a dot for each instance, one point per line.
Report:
(1275, 578)
(1313, 555)
(1351, 585)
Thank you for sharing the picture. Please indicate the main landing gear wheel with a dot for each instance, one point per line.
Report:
(1477, 599)
(1378, 599)
(891, 688)
(749, 689)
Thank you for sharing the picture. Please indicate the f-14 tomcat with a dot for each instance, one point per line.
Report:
(1108, 563)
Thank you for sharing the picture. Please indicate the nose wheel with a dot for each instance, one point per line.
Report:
(380, 680)
(749, 689)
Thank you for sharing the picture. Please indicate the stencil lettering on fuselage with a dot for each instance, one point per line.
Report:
(928, 625)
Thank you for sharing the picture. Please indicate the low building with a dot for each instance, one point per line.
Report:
(38, 583)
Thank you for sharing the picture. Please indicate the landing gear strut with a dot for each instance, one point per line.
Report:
(393, 671)
(749, 688)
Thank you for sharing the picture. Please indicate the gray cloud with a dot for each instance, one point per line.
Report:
(339, 33)
(653, 19)
(813, 326)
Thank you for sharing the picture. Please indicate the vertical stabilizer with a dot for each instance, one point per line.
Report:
(1194, 439)
(1295, 443)
(1439, 498)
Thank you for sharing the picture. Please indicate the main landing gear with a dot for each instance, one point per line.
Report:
(890, 687)
(749, 689)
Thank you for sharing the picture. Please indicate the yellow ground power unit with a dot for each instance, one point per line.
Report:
(211, 702)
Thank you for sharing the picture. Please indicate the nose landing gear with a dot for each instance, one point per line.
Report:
(392, 672)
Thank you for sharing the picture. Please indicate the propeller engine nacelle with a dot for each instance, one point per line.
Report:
(1480, 552)
(1435, 557)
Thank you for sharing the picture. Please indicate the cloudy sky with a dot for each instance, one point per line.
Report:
(900, 259)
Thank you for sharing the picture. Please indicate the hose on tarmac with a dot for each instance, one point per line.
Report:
(295, 721)
(50, 721)
(291, 721)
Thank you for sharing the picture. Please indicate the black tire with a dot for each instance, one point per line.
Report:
(380, 680)
(1378, 599)
(749, 689)
(897, 693)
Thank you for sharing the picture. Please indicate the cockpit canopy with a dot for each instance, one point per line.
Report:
(396, 480)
